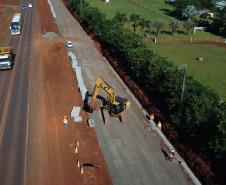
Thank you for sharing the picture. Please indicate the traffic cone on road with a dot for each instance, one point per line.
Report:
(78, 164)
(77, 143)
(81, 170)
(76, 149)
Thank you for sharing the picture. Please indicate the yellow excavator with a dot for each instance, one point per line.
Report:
(115, 105)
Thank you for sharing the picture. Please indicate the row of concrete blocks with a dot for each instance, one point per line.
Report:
(78, 72)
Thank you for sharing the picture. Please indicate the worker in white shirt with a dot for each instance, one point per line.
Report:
(159, 125)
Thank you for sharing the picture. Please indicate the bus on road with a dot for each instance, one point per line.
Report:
(16, 24)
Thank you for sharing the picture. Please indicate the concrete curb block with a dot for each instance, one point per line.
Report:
(52, 9)
(162, 136)
(78, 73)
(75, 114)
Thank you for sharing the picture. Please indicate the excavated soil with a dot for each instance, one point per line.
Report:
(61, 95)
(46, 18)
(10, 2)
(53, 93)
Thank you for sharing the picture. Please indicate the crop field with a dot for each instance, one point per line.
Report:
(210, 72)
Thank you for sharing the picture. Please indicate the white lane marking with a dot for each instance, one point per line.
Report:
(6, 106)
(27, 129)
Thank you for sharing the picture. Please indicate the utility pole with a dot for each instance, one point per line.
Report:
(184, 79)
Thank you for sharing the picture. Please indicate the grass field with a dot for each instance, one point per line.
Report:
(148, 9)
(211, 72)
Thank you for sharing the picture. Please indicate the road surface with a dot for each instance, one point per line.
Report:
(133, 155)
(14, 87)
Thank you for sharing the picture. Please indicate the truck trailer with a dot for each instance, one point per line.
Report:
(6, 58)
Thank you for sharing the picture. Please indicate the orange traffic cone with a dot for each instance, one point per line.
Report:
(81, 170)
(76, 149)
(77, 143)
(78, 164)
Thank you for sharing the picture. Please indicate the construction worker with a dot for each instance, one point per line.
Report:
(65, 121)
(150, 121)
(159, 125)
(152, 117)
(171, 155)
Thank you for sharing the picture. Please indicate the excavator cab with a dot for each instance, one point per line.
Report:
(118, 106)
(115, 105)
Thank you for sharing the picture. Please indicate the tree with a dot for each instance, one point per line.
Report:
(134, 19)
(218, 144)
(120, 18)
(142, 24)
(147, 30)
(174, 26)
(208, 3)
(145, 26)
(222, 22)
(180, 5)
(190, 13)
(158, 24)
(189, 25)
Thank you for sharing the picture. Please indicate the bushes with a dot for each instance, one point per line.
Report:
(199, 119)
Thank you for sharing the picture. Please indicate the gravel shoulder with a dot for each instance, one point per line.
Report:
(53, 93)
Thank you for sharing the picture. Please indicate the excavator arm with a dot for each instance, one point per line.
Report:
(101, 84)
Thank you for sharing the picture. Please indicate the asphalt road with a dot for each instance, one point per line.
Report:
(133, 155)
(14, 92)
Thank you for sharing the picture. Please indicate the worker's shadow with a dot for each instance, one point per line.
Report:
(86, 106)
(165, 153)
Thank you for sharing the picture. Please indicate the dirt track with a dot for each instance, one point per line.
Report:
(6, 14)
(53, 93)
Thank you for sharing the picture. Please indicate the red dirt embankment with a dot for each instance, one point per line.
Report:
(47, 20)
(60, 96)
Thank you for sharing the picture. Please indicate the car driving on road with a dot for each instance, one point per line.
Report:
(69, 44)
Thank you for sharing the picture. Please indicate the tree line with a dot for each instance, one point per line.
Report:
(216, 24)
(199, 117)
(146, 26)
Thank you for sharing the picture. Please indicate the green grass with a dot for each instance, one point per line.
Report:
(148, 9)
(211, 72)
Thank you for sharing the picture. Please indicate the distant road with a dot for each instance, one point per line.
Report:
(14, 87)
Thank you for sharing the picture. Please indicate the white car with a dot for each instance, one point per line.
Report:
(22, 7)
(30, 5)
(69, 44)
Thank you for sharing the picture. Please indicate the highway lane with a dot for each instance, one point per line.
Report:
(14, 90)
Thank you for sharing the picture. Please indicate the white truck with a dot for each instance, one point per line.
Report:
(6, 58)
